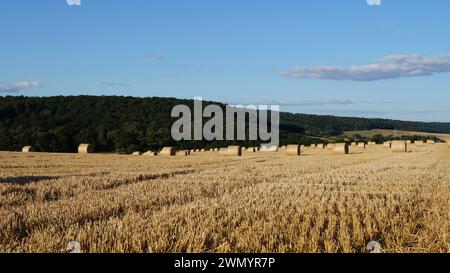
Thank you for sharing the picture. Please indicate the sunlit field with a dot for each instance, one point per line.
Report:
(206, 202)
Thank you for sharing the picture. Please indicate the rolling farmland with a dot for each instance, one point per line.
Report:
(207, 202)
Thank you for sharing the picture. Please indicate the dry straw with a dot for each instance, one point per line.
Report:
(168, 151)
(372, 143)
(85, 148)
(28, 149)
(293, 150)
(430, 141)
(320, 146)
(330, 146)
(399, 146)
(341, 148)
(137, 153)
(387, 144)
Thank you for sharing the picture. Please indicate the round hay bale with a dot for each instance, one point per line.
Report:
(341, 148)
(232, 151)
(137, 153)
(361, 145)
(408, 142)
(330, 146)
(429, 141)
(168, 151)
(151, 153)
(268, 149)
(419, 143)
(250, 150)
(28, 149)
(182, 153)
(293, 150)
(387, 144)
(85, 148)
(399, 146)
(371, 143)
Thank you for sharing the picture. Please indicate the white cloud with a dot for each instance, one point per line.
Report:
(389, 67)
(19, 86)
(73, 2)
(374, 2)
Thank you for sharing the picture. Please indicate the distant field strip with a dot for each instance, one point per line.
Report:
(261, 202)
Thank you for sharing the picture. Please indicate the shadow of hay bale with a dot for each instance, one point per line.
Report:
(24, 180)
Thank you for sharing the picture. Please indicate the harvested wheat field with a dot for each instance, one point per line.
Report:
(260, 202)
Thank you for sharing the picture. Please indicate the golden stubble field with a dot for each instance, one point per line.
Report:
(263, 202)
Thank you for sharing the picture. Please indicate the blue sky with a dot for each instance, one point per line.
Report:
(321, 56)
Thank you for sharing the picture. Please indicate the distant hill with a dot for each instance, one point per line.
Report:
(125, 124)
(373, 132)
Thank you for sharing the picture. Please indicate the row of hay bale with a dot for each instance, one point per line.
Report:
(82, 149)
(338, 148)
(389, 144)
(397, 146)
(171, 151)
(166, 151)
(404, 146)
(343, 148)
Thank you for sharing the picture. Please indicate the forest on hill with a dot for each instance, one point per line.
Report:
(126, 124)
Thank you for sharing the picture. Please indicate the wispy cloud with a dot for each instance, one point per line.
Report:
(389, 67)
(115, 84)
(157, 57)
(19, 86)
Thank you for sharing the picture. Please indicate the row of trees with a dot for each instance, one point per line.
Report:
(379, 138)
(126, 124)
